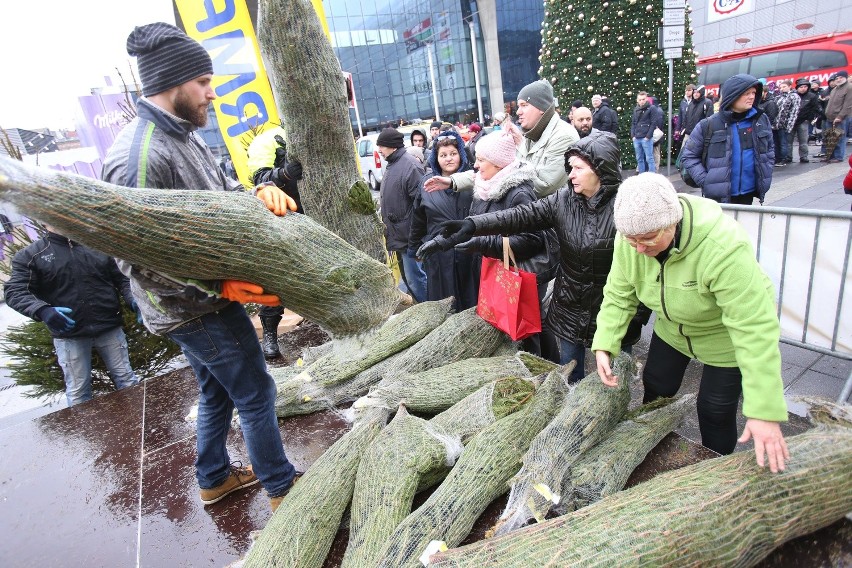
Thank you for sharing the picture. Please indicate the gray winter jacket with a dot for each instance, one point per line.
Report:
(161, 151)
(400, 185)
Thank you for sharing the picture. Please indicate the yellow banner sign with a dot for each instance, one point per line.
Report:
(244, 98)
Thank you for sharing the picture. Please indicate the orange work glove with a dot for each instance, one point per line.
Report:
(246, 292)
(275, 200)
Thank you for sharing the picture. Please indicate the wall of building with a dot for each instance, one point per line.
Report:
(770, 21)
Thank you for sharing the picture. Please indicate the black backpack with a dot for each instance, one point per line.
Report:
(684, 171)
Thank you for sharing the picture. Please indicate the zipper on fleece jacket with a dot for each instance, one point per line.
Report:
(661, 278)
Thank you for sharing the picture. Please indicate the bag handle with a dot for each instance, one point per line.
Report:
(508, 254)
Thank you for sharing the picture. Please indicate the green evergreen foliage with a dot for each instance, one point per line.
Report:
(33, 359)
(610, 48)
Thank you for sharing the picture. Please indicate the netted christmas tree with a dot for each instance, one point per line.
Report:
(610, 48)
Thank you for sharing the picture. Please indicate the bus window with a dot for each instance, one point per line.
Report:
(773, 64)
(813, 60)
(718, 73)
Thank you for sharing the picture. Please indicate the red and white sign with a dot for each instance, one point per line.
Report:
(721, 9)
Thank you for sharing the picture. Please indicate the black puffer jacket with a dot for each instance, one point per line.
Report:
(56, 271)
(586, 237)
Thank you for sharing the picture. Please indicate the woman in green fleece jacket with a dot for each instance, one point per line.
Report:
(695, 268)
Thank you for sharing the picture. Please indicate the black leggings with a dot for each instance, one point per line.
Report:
(718, 393)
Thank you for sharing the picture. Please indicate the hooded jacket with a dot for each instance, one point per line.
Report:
(448, 273)
(605, 119)
(400, 185)
(740, 155)
(696, 111)
(713, 303)
(159, 150)
(56, 271)
(586, 233)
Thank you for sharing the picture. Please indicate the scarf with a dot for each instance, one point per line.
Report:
(536, 131)
(483, 189)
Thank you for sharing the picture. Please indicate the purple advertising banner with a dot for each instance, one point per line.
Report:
(100, 122)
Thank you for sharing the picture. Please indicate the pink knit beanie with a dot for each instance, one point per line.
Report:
(498, 148)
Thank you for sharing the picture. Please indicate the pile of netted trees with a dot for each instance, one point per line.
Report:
(471, 432)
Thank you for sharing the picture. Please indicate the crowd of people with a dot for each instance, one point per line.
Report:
(610, 252)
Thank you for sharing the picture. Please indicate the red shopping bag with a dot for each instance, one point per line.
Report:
(508, 297)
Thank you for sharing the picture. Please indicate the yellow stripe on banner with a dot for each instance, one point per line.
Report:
(244, 97)
(321, 13)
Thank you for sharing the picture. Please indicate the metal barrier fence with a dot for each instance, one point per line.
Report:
(806, 253)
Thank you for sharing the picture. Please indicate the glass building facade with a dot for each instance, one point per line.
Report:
(389, 47)
(519, 30)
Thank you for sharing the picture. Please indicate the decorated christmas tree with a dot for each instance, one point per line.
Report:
(610, 48)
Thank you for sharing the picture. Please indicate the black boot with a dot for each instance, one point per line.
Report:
(270, 336)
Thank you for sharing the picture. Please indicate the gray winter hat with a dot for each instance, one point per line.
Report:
(166, 57)
(539, 94)
(645, 203)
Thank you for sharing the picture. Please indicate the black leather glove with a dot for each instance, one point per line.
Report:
(291, 171)
(469, 247)
(429, 248)
(461, 230)
(56, 319)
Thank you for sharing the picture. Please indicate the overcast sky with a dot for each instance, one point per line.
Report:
(54, 51)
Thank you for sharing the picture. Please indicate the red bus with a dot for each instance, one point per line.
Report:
(814, 57)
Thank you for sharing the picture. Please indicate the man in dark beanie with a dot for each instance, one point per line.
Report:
(161, 149)
(400, 185)
(546, 138)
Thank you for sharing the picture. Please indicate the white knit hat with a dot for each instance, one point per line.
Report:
(498, 148)
(645, 203)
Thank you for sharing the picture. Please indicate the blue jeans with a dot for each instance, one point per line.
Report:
(75, 358)
(573, 351)
(779, 137)
(577, 352)
(225, 354)
(644, 149)
(840, 150)
(415, 276)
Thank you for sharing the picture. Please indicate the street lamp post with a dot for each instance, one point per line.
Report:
(432, 79)
(475, 68)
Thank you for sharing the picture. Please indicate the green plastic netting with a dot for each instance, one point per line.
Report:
(605, 468)
(301, 531)
(720, 512)
(311, 97)
(400, 331)
(412, 454)
(591, 411)
(461, 336)
(212, 235)
(480, 476)
(437, 389)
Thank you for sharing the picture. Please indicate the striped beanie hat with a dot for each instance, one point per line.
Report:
(166, 57)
